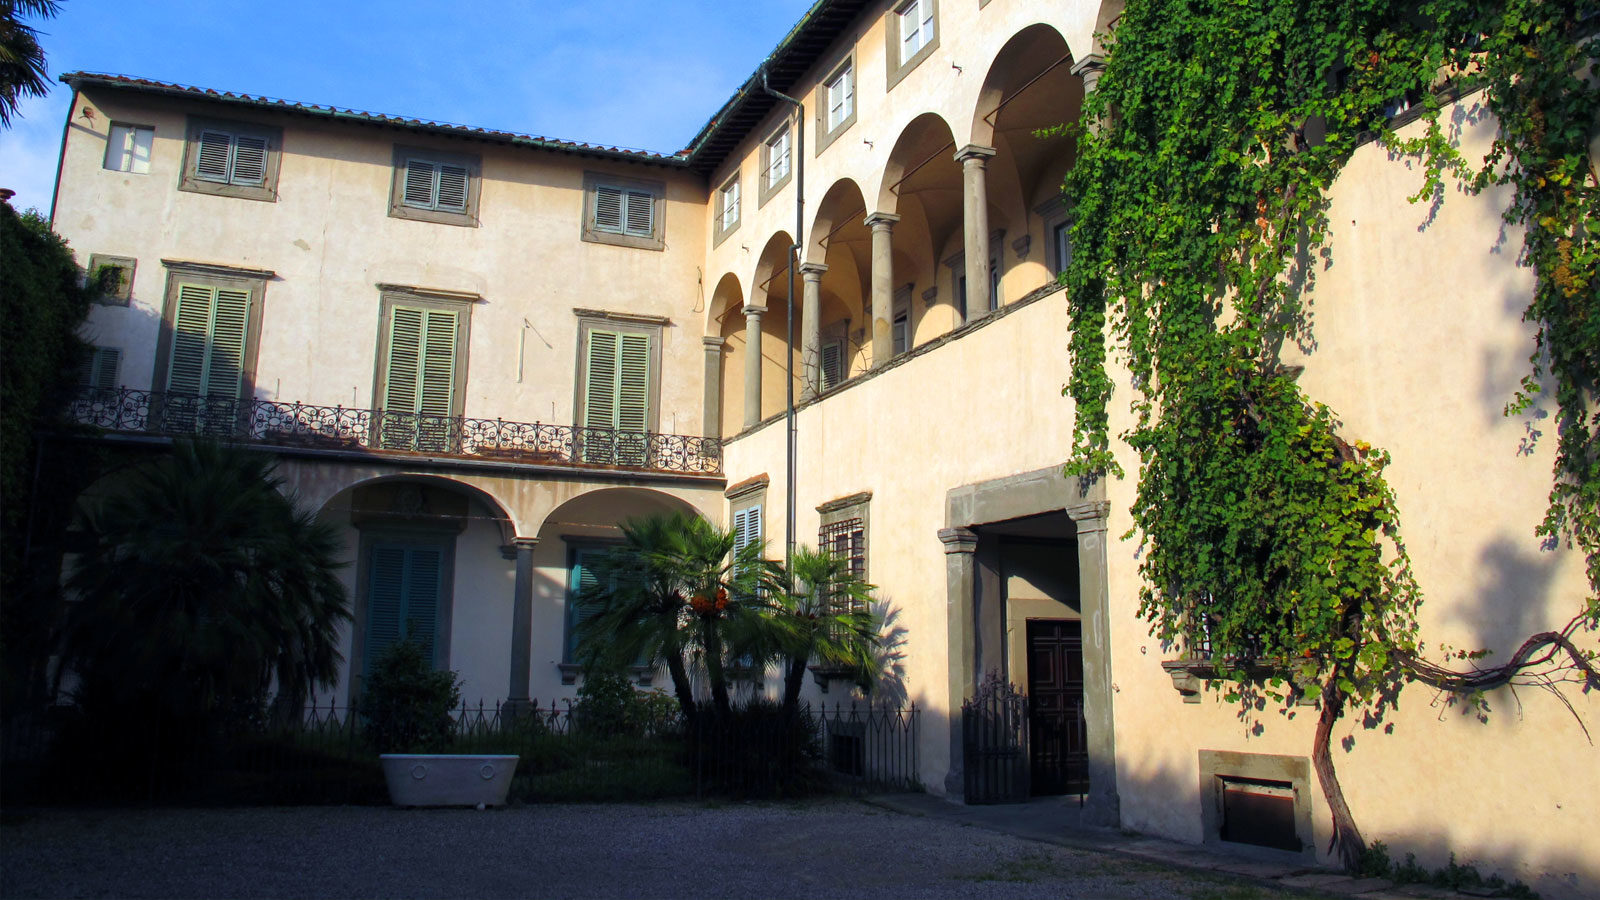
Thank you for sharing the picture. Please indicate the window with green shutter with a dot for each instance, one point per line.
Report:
(422, 372)
(405, 594)
(232, 159)
(100, 368)
(210, 331)
(628, 212)
(580, 581)
(435, 186)
(618, 387)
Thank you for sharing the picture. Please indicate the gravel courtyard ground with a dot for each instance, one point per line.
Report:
(826, 849)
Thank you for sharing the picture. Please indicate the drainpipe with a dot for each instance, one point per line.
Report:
(794, 262)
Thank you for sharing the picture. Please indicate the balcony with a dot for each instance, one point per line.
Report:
(336, 428)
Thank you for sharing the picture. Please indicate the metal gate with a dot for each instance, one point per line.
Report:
(994, 727)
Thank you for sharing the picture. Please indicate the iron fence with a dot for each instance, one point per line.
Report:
(301, 425)
(566, 755)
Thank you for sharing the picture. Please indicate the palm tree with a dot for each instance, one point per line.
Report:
(22, 71)
(825, 617)
(204, 586)
(676, 592)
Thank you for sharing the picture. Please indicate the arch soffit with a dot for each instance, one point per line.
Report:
(1001, 74)
(508, 522)
(914, 143)
(651, 495)
(842, 202)
(773, 257)
(727, 297)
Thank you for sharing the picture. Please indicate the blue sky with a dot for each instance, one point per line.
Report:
(628, 73)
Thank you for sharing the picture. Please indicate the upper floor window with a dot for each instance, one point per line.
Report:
(901, 330)
(128, 148)
(206, 352)
(836, 102)
(100, 368)
(232, 159)
(112, 276)
(619, 377)
(435, 186)
(914, 35)
(623, 211)
(727, 209)
(775, 162)
(422, 368)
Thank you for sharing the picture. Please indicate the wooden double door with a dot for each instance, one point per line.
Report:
(1058, 746)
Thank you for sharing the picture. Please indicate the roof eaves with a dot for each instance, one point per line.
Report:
(78, 79)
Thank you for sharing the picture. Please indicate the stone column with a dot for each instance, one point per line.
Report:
(811, 330)
(975, 224)
(1101, 807)
(711, 416)
(960, 547)
(882, 225)
(1090, 69)
(752, 365)
(520, 550)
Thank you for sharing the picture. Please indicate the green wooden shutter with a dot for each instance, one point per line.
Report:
(210, 328)
(608, 208)
(436, 383)
(405, 360)
(420, 378)
(633, 383)
(249, 160)
(404, 589)
(419, 184)
(582, 579)
(832, 365)
(600, 385)
(452, 193)
(213, 157)
(640, 220)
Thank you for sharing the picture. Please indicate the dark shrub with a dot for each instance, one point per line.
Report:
(407, 705)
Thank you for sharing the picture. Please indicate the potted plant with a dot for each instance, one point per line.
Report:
(407, 707)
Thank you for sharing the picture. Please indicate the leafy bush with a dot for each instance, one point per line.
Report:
(407, 705)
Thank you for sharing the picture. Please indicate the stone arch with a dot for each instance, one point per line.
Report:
(926, 141)
(315, 486)
(1013, 70)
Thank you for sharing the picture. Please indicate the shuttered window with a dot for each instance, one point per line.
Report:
(746, 527)
(210, 327)
(582, 580)
(617, 397)
(230, 158)
(624, 211)
(832, 364)
(435, 185)
(421, 369)
(99, 368)
(405, 589)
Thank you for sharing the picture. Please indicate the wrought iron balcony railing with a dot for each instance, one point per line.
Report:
(339, 428)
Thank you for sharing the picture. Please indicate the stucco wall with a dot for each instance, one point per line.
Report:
(330, 240)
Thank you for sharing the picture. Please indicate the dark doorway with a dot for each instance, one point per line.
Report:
(1058, 746)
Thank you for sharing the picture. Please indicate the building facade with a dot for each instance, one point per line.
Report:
(476, 352)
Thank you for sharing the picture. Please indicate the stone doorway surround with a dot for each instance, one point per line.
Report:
(976, 621)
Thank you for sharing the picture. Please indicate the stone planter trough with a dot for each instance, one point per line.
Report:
(447, 779)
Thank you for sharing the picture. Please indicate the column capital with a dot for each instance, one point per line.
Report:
(509, 551)
(958, 540)
(1091, 62)
(713, 343)
(882, 221)
(757, 311)
(1090, 516)
(812, 271)
(974, 152)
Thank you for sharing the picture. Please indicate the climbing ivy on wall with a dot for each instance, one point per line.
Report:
(1270, 536)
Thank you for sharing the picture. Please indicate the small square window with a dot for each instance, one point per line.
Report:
(232, 159)
(435, 186)
(128, 148)
(100, 368)
(624, 211)
(913, 35)
(727, 209)
(113, 275)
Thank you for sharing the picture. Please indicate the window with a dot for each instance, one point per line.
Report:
(727, 210)
(206, 353)
(422, 368)
(583, 563)
(128, 148)
(746, 527)
(841, 96)
(114, 277)
(232, 159)
(618, 373)
(1056, 212)
(435, 186)
(844, 532)
(775, 162)
(901, 324)
(100, 368)
(406, 589)
(913, 35)
(836, 102)
(623, 211)
(832, 364)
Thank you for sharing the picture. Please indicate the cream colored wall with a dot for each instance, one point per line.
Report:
(330, 239)
(1418, 345)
